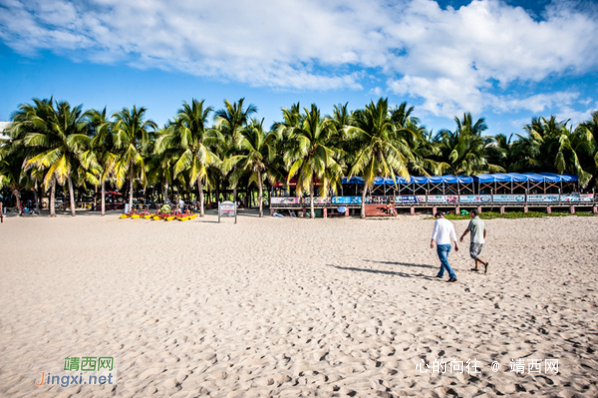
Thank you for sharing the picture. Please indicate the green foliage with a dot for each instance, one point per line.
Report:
(53, 143)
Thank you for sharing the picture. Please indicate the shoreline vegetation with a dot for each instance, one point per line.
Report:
(208, 155)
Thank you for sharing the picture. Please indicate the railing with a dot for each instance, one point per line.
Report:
(442, 200)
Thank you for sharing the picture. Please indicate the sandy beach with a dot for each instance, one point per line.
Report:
(295, 307)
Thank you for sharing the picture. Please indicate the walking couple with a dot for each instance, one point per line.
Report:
(444, 231)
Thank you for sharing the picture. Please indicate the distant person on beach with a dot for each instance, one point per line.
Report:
(1, 212)
(443, 232)
(478, 238)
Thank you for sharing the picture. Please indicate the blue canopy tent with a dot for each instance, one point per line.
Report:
(447, 184)
(507, 182)
(486, 183)
(524, 181)
(559, 177)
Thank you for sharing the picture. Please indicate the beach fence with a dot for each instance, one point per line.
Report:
(428, 194)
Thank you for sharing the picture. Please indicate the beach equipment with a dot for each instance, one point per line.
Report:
(187, 217)
(129, 215)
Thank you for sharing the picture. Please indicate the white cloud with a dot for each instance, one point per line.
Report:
(377, 91)
(455, 60)
(574, 116)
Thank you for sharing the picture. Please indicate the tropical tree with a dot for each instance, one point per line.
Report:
(464, 150)
(24, 122)
(131, 136)
(401, 115)
(229, 121)
(310, 156)
(12, 175)
(500, 152)
(378, 149)
(589, 159)
(58, 136)
(102, 151)
(551, 145)
(190, 140)
(159, 167)
(257, 156)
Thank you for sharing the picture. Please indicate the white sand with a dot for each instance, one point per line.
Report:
(294, 307)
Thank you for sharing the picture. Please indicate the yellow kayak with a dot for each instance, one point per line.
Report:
(156, 218)
(148, 216)
(187, 217)
(124, 216)
(136, 216)
(170, 218)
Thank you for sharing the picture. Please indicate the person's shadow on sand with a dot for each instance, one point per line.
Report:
(378, 271)
(403, 264)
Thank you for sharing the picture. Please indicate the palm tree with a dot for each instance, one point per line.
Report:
(12, 176)
(59, 139)
(378, 149)
(589, 159)
(257, 156)
(500, 152)
(159, 168)
(229, 121)
(131, 135)
(310, 156)
(464, 150)
(102, 149)
(26, 120)
(190, 140)
(401, 115)
(425, 153)
(553, 146)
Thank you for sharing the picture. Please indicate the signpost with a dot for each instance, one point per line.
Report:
(228, 209)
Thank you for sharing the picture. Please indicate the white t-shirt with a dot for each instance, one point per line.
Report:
(443, 232)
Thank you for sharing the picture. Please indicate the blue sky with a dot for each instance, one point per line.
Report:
(505, 61)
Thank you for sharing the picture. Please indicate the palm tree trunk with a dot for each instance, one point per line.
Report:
(71, 195)
(261, 199)
(131, 190)
(235, 187)
(365, 190)
(269, 198)
(53, 198)
(103, 198)
(200, 188)
(95, 198)
(36, 200)
(17, 195)
(311, 200)
(217, 190)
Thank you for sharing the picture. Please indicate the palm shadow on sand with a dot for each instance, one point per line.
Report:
(384, 272)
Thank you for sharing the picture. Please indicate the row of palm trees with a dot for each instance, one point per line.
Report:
(53, 143)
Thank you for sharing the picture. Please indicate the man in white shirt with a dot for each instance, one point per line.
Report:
(443, 233)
